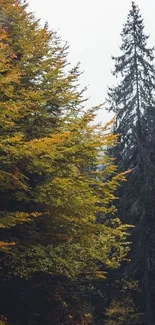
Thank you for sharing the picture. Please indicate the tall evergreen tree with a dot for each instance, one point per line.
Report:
(133, 101)
(133, 98)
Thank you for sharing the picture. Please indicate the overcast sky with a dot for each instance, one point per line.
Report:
(92, 29)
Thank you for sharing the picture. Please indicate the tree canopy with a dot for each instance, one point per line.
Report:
(56, 176)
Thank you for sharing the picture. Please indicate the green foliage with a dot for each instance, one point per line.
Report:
(122, 313)
(122, 310)
(133, 98)
(49, 157)
(52, 188)
(133, 101)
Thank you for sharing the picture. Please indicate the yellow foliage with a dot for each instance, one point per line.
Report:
(54, 165)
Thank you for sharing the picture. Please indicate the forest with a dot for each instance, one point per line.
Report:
(77, 206)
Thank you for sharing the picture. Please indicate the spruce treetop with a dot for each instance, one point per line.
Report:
(133, 99)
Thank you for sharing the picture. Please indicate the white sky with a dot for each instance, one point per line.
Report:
(92, 29)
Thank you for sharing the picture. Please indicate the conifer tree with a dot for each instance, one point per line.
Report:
(133, 98)
(133, 101)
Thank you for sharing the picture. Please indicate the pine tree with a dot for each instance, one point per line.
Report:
(133, 101)
(133, 98)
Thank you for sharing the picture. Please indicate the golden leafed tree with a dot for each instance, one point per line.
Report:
(56, 177)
